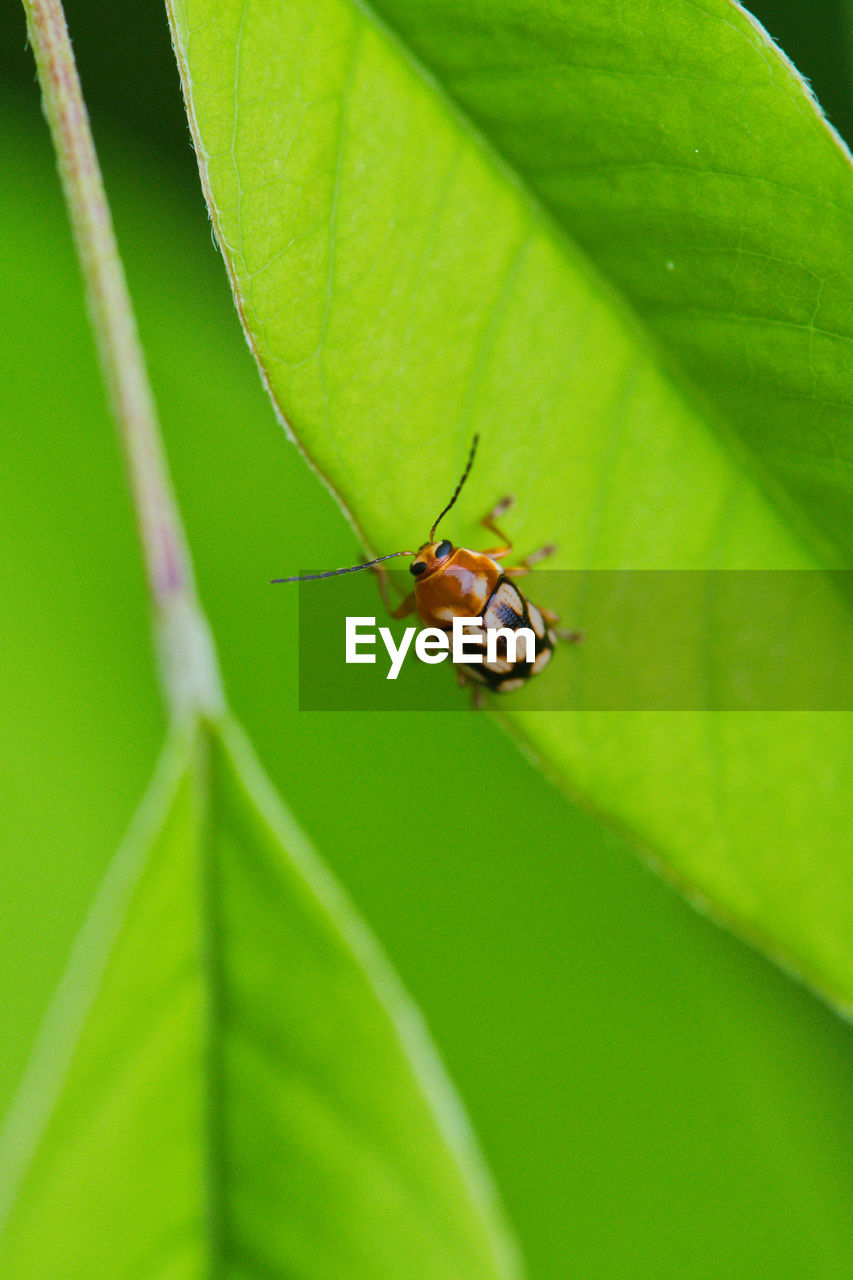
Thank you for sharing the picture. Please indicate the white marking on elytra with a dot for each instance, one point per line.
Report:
(537, 622)
(509, 685)
(505, 598)
(521, 646)
(447, 612)
(480, 590)
(543, 657)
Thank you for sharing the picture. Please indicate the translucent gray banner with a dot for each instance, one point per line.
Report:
(653, 640)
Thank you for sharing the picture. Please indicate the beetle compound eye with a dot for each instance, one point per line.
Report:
(417, 566)
(443, 550)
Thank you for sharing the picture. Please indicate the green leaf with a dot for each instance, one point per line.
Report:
(689, 160)
(230, 1079)
(428, 214)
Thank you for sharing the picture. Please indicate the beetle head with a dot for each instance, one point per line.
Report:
(431, 556)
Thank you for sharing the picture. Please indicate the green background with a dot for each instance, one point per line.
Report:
(654, 1098)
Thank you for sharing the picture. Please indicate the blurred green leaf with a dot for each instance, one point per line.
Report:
(405, 274)
(230, 1073)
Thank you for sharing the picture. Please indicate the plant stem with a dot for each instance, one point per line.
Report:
(188, 664)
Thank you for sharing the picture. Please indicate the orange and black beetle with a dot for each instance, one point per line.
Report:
(453, 582)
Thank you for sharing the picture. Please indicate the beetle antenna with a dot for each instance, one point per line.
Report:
(474, 443)
(333, 573)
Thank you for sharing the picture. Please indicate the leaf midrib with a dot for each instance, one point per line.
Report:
(211, 970)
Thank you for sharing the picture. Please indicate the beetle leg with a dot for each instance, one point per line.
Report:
(405, 607)
(552, 618)
(382, 583)
(542, 553)
(569, 637)
(488, 522)
(477, 692)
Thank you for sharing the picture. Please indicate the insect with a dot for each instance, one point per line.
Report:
(455, 582)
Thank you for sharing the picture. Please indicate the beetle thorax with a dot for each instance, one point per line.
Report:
(458, 586)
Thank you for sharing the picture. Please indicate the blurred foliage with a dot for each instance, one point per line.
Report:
(650, 1093)
(230, 1075)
